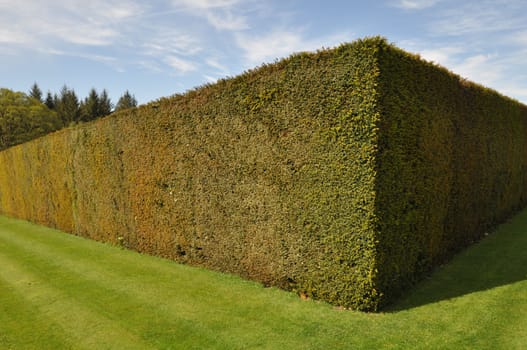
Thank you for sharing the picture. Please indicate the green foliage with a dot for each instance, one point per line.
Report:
(89, 108)
(105, 104)
(50, 100)
(127, 100)
(67, 106)
(35, 92)
(451, 165)
(343, 175)
(95, 106)
(23, 118)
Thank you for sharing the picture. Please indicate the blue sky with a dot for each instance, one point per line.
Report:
(161, 47)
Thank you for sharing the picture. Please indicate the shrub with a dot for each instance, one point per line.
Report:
(343, 174)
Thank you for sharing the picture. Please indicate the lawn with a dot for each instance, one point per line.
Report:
(59, 291)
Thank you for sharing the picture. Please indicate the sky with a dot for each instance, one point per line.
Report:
(161, 47)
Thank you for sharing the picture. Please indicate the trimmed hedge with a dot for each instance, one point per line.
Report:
(452, 164)
(343, 174)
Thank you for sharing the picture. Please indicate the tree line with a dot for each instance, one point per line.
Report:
(24, 117)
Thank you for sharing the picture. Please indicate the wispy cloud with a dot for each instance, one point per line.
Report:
(227, 21)
(515, 89)
(180, 65)
(270, 46)
(206, 4)
(220, 14)
(169, 48)
(485, 69)
(95, 22)
(415, 4)
(474, 17)
(93, 57)
(219, 68)
(443, 55)
(518, 38)
(167, 41)
(8, 36)
(278, 44)
(489, 68)
(482, 40)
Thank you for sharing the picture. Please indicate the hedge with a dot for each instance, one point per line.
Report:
(452, 164)
(344, 174)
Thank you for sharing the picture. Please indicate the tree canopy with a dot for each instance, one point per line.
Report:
(35, 92)
(23, 118)
(27, 116)
(126, 101)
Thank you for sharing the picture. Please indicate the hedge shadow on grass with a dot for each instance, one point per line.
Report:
(497, 260)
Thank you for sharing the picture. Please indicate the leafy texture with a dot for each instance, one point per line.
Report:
(343, 174)
(24, 118)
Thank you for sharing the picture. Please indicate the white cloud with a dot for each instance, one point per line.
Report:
(13, 37)
(210, 78)
(166, 42)
(278, 44)
(150, 65)
(169, 48)
(206, 4)
(415, 4)
(477, 17)
(85, 34)
(515, 90)
(95, 23)
(52, 27)
(227, 21)
(91, 57)
(502, 73)
(271, 46)
(220, 14)
(443, 56)
(518, 38)
(180, 65)
(215, 63)
(482, 40)
(484, 69)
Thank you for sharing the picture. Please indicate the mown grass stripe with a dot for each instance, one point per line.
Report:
(478, 301)
(23, 328)
(105, 294)
(82, 325)
(161, 295)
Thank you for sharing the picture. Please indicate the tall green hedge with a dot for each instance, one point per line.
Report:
(343, 174)
(452, 164)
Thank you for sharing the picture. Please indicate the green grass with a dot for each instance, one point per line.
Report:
(58, 291)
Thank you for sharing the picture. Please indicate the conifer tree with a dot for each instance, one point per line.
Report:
(127, 100)
(105, 104)
(50, 100)
(67, 106)
(35, 92)
(90, 107)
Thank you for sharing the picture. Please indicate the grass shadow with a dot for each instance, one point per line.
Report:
(498, 260)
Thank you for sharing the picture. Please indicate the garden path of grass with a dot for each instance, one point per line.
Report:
(59, 291)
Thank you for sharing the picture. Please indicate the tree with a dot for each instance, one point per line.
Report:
(90, 107)
(105, 104)
(35, 92)
(50, 100)
(127, 100)
(23, 118)
(67, 106)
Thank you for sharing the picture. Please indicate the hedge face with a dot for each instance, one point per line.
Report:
(343, 174)
(452, 164)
